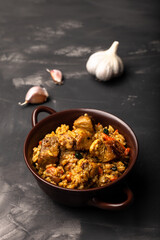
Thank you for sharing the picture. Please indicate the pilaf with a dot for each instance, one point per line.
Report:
(89, 155)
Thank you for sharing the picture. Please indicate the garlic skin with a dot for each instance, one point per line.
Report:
(35, 95)
(105, 64)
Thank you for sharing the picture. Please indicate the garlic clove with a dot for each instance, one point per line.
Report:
(121, 66)
(105, 64)
(35, 95)
(101, 75)
(56, 76)
(115, 67)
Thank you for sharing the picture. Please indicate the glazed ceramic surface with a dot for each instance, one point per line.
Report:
(75, 197)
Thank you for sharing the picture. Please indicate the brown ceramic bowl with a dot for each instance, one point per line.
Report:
(72, 197)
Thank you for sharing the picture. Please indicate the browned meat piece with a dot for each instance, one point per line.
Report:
(84, 122)
(102, 150)
(90, 167)
(109, 153)
(49, 151)
(67, 141)
(52, 173)
(83, 139)
(118, 149)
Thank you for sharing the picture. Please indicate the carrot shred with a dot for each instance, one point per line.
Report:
(69, 177)
(113, 178)
(127, 150)
(100, 170)
(107, 138)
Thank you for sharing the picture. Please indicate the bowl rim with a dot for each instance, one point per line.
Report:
(87, 110)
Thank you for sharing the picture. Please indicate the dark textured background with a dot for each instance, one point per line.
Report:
(40, 34)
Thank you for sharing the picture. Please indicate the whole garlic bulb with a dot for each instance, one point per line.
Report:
(105, 64)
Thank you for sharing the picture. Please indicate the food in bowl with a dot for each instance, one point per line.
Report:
(87, 155)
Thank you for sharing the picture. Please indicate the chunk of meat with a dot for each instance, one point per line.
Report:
(119, 149)
(67, 141)
(84, 122)
(49, 151)
(67, 159)
(89, 166)
(83, 139)
(53, 173)
(109, 154)
(102, 151)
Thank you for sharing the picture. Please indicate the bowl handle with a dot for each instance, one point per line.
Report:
(113, 206)
(39, 110)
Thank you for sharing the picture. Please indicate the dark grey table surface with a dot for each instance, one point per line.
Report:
(40, 34)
